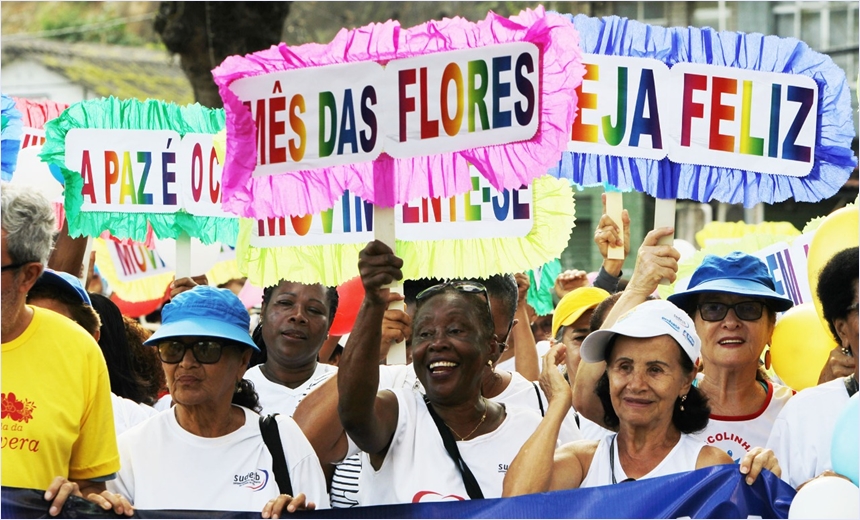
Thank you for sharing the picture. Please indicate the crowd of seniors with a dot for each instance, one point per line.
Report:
(211, 414)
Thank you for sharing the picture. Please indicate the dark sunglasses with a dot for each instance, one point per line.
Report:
(460, 286)
(746, 311)
(206, 351)
(12, 267)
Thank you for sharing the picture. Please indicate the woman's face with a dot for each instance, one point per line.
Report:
(847, 329)
(295, 324)
(572, 336)
(732, 342)
(450, 349)
(192, 383)
(645, 379)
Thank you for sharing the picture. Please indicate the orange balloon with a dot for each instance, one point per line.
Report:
(800, 347)
(839, 230)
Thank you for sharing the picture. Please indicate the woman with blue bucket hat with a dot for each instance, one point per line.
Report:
(733, 303)
(211, 450)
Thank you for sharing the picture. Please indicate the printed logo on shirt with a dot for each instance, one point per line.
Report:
(503, 468)
(18, 411)
(432, 496)
(254, 480)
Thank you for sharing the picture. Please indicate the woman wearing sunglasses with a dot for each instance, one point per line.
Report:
(733, 303)
(448, 443)
(207, 452)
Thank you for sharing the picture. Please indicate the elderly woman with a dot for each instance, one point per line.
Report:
(733, 304)
(457, 438)
(803, 430)
(211, 439)
(647, 396)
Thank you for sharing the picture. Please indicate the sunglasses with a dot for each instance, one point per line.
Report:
(746, 311)
(12, 267)
(460, 286)
(206, 351)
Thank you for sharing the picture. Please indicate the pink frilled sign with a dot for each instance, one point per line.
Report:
(394, 115)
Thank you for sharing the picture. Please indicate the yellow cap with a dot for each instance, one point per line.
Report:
(574, 304)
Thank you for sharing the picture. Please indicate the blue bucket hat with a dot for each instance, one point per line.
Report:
(735, 273)
(205, 311)
(64, 282)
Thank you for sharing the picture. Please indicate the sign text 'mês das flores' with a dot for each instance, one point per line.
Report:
(146, 171)
(698, 114)
(430, 104)
(480, 213)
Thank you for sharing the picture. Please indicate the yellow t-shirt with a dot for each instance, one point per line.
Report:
(56, 408)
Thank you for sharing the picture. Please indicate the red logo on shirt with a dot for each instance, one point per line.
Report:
(19, 411)
(432, 496)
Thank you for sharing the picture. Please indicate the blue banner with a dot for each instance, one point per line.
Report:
(715, 492)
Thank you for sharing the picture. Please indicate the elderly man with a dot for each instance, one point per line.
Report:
(58, 430)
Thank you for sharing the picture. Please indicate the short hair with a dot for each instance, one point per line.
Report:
(696, 412)
(411, 288)
(331, 297)
(504, 288)
(835, 290)
(145, 359)
(28, 219)
(81, 313)
(486, 326)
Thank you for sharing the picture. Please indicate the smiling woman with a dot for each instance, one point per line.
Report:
(461, 441)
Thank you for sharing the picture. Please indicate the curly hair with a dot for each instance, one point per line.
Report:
(692, 419)
(835, 290)
(145, 360)
(246, 396)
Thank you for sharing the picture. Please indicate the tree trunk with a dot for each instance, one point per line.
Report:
(204, 33)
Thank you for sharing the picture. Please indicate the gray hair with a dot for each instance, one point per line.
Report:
(28, 220)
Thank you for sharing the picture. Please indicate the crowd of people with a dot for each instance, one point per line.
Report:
(210, 413)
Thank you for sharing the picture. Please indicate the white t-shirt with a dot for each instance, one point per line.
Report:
(163, 466)
(803, 431)
(737, 435)
(418, 469)
(127, 413)
(277, 398)
(680, 459)
(509, 364)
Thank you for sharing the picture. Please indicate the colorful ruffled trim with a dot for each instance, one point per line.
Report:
(37, 113)
(11, 132)
(834, 159)
(131, 114)
(334, 264)
(505, 166)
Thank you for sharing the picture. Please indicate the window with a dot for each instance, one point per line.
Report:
(653, 13)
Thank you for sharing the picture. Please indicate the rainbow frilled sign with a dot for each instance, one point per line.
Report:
(697, 114)
(393, 115)
(128, 164)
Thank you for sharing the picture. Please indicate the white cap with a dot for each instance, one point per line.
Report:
(647, 320)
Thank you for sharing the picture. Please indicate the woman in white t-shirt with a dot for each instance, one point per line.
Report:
(207, 452)
(449, 443)
(294, 322)
(648, 397)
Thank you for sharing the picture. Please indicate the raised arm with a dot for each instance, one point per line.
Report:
(369, 419)
(538, 467)
(317, 416)
(525, 353)
(611, 233)
(653, 263)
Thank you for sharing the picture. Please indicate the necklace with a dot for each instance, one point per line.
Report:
(483, 418)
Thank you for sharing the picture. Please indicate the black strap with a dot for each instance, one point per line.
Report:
(851, 385)
(472, 487)
(272, 438)
(540, 401)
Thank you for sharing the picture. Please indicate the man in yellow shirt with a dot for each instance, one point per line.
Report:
(57, 420)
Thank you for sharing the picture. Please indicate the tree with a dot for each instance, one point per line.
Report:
(204, 33)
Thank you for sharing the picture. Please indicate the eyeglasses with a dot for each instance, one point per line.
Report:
(747, 311)
(460, 286)
(205, 351)
(12, 267)
(853, 307)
